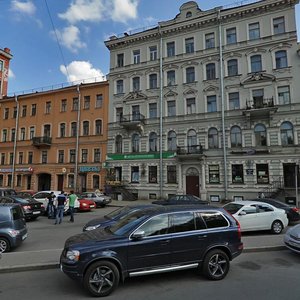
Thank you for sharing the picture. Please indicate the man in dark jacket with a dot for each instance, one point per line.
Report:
(60, 201)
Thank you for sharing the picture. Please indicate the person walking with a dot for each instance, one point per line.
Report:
(72, 199)
(50, 206)
(60, 200)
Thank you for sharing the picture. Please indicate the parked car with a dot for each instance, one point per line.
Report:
(86, 205)
(150, 241)
(292, 238)
(291, 211)
(13, 230)
(181, 199)
(255, 215)
(7, 192)
(113, 216)
(32, 208)
(101, 200)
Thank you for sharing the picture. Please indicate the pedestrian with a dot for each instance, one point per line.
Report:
(60, 201)
(50, 206)
(72, 199)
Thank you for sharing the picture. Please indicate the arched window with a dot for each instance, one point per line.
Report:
(213, 138)
(287, 134)
(135, 143)
(86, 129)
(210, 71)
(98, 127)
(153, 142)
(172, 141)
(236, 137)
(119, 144)
(260, 133)
(73, 129)
(281, 59)
(192, 141)
(256, 64)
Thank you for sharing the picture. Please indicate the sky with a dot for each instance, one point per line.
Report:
(59, 41)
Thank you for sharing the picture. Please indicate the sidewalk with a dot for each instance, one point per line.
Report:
(49, 259)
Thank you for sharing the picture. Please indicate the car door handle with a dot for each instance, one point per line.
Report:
(166, 242)
(200, 237)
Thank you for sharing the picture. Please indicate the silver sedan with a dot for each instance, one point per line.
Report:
(100, 199)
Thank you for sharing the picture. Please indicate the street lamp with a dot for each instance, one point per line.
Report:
(296, 182)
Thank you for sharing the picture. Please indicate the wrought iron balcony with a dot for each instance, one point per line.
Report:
(260, 107)
(132, 121)
(43, 141)
(189, 152)
(258, 103)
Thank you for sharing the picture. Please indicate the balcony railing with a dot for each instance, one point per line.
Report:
(258, 103)
(133, 121)
(43, 141)
(189, 150)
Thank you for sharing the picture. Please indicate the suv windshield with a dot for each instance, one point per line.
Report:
(117, 212)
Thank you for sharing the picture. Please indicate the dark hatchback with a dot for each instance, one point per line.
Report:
(150, 241)
(31, 207)
(181, 200)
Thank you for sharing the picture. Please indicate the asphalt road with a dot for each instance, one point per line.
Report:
(259, 276)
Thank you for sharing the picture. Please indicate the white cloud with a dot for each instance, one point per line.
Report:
(70, 38)
(26, 7)
(11, 74)
(82, 71)
(100, 10)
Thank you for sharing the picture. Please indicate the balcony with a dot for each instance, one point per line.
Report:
(189, 152)
(42, 142)
(132, 122)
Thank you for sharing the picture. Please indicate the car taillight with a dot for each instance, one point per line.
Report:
(26, 207)
(295, 209)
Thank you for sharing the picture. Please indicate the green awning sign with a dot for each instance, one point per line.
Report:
(140, 156)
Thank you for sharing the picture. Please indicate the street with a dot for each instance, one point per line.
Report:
(265, 275)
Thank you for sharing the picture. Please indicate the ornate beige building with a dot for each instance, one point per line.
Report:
(207, 103)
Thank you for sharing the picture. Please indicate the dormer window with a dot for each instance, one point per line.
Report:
(188, 14)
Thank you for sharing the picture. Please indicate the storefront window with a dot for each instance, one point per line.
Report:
(237, 174)
(262, 173)
(214, 174)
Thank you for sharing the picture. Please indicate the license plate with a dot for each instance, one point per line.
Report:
(36, 212)
(24, 237)
(92, 206)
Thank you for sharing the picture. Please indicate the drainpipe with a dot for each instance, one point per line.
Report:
(15, 145)
(77, 140)
(222, 105)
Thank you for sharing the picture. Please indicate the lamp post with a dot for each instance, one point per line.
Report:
(296, 183)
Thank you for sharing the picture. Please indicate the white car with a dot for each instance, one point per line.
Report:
(254, 215)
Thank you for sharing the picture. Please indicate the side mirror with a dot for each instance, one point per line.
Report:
(242, 213)
(138, 235)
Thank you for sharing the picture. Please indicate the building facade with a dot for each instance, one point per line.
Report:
(5, 57)
(55, 139)
(207, 103)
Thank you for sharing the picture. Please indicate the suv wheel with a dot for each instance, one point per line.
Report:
(4, 245)
(216, 264)
(101, 278)
(277, 227)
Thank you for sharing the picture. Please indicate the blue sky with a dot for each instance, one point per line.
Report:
(81, 26)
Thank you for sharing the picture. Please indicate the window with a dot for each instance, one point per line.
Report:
(75, 105)
(2, 158)
(136, 56)
(1, 180)
(153, 52)
(171, 174)
(210, 71)
(278, 25)
(72, 155)
(71, 180)
(9, 180)
(260, 134)
(213, 174)
(84, 155)
(214, 220)
(120, 86)
(232, 67)
(189, 45)
(120, 60)
(152, 110)
(63, 105)
(21, 156)
(237, 174)
(284, 96)
(30, 157)
(98, 127)
(119, 114)
(153, 81)
(48, 107)
(213, 138)
(262, 173)
(254, 31)
(61, 156)
(236, 137)
(211, 103)
(258, 98)
(190, 106)
(234, 100)
(22, 134)
(118, 144)
(62, 130)
(135, 174)
(73, 129)
(44, 156)
(172, 141)
(152, 174)
(191, 140)
(86, 102)
(171, 108)
(190, 74)
(170, 49)
(33, 109)
(287, 134)
(281, 59)
(256, 64)
(13, 134)
(99, 100)
(135, 143)
(19, 180)
(11, 158)
(4, 135)
(31, 132)
(97, 155)
(47, 130)
(170, 78)
(96, 181)
(136, 84)
(157, 225)
(24, 111)
(6, 113)
(15, 112)
(86, 128)
(136, 116)
(153, 142)
(210, 40)
(231, 36)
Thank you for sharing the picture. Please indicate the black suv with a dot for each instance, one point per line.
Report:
(153, 240)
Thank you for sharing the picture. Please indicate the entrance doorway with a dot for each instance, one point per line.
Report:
(60, 182)
(82, 184)
(192, 182)
(289, 175)
(44, 182)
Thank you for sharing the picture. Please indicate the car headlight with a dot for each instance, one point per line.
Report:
(89, 228)
(73, 255)
(13, 232)
(84, 204)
